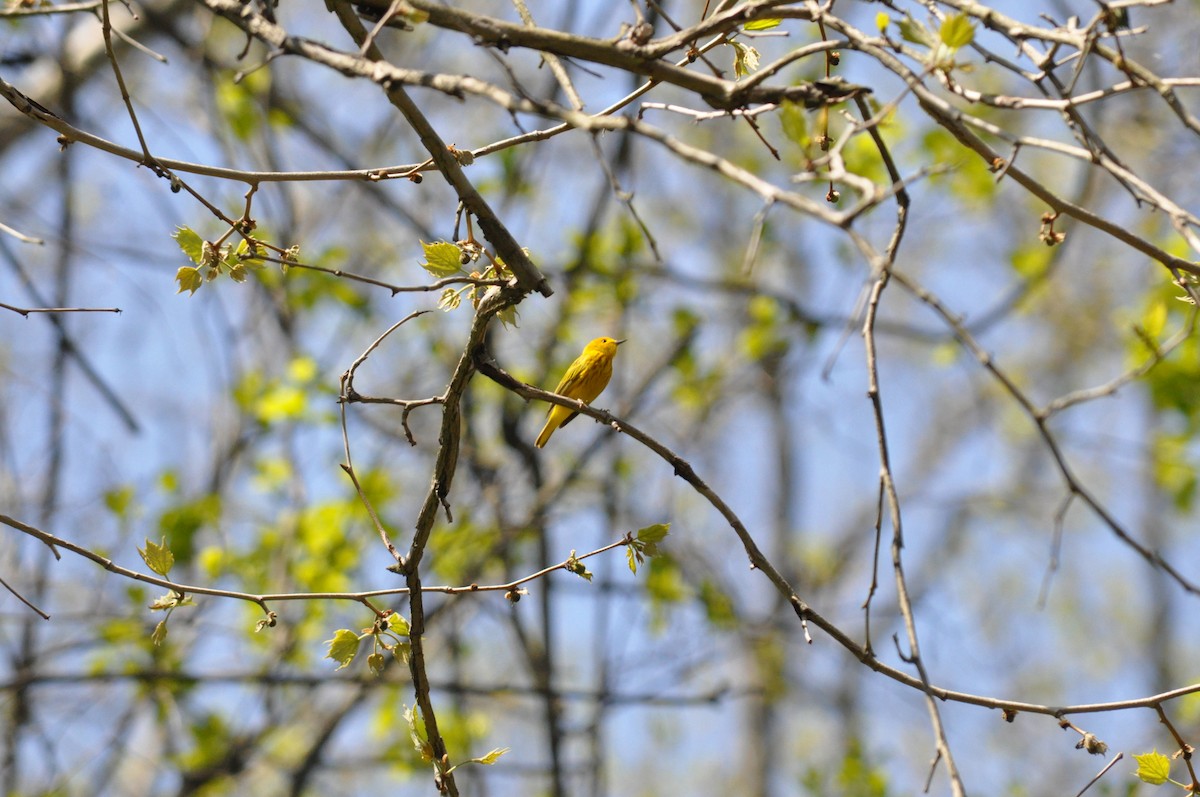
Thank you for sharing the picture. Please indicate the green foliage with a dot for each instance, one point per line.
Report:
(121, 501)
(664, 582)
(1173, 473)
(1031, 260)
(241, 102)
(343, 647)
(968, 177)
(794, 120)
(1153, 768)
(180, 522)
(697, 381)
(957, 31)
(283, 400)
(444, 259)
(644, 544)
(573, 565)
(914, 32)
(388, 634)
(762, 24)
(211, 260)
(852, 776)
(718, 606)
(767, 334)
(158, 557)
(465, 550)
(418, 733)
(745, 59)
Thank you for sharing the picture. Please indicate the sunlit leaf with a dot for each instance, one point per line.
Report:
(157, 556)
(794, 121)
(745, 59)
(762, 24)
(915, 32)
(1153, 767)
(189, 279)
(159, 635)
(343, 647)
(442, 259)
(492, 756)
(191, 243)
(957, 31)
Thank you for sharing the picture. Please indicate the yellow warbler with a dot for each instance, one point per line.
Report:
(584, 380)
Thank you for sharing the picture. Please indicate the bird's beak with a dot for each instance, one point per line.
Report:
(622, 340)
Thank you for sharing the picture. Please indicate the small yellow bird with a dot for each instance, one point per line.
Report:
(584, 380)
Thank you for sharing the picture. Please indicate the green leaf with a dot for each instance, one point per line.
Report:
(1154, 321)
(411, 15)
(119, 500)
(191, 243)
(451, 299)
(398, 624)
(442, 259)
(1153, 767)
(343, 647)
(189, 279)
(762, 24)
(508, 316)
(492, 756)
(745, 59)
(915, 32)
(575, 566)
(160, 633)
(631, 556)
(170, 601)
(157, 557)
(416, 729)
(375, 662)
(664, 581)
(654, 534)
(794, 121)
(957, 31)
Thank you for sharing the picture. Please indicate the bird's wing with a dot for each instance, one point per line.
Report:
(570, 383)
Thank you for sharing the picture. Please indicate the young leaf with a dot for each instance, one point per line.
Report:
(575, 566)
(915, 32)
(442, 259)
(957, 31)
(190, 243)
(375, 662)
(654, 534)
(794, 121)
(508, 317)
(762, 24)
(745, 59)
(343, 647)
(170, 601)
(492, 756)
(451, 298)
(189, 279)
(157, 557)
(416, 729)
(160, 633)
(398, 624)
(1153, 767)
